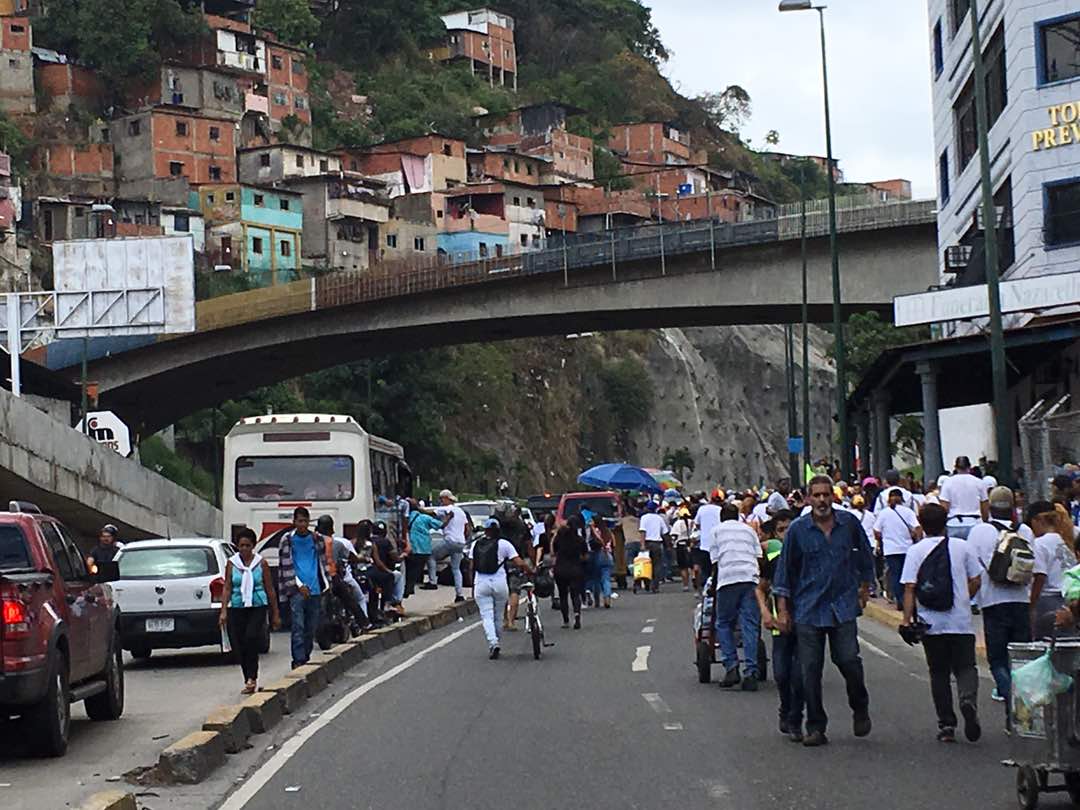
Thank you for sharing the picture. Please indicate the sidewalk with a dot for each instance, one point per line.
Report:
(884, 612)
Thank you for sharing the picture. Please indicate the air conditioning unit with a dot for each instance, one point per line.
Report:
(957, 258)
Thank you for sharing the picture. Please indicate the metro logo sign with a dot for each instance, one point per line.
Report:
(964, 303)
(106, 428)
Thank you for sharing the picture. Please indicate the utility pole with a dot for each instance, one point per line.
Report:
(789, 369)
(807, 457)
(1002, 427)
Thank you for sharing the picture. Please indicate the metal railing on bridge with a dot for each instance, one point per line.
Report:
(611, 248)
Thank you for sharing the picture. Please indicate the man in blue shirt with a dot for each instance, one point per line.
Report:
(822, 583)
(302, 563)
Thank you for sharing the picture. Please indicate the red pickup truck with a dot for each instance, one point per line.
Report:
(59, 631)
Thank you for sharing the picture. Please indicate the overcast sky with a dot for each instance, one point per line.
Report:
(879, 77)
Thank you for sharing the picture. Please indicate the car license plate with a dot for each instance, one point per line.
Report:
(160, 625)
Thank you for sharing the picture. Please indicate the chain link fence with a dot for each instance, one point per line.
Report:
(1049, 439)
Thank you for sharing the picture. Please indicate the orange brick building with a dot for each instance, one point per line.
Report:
(16, 66)
(89, 160)
(164, 143)
(68, 84)
(287, 85)
(484, 39)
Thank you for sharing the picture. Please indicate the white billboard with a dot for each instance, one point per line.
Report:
(963, 303)
(141, 286)
(106, 428)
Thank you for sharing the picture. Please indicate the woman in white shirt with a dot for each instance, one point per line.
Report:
(1053, 557)
(490, 555)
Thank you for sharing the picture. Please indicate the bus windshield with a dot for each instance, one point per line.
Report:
(285, 478)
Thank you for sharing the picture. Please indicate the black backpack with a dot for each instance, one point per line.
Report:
(934, 582)
(486, 555)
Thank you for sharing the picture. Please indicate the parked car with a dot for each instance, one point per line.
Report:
(170, 594)
(59, 631)
(479, 511)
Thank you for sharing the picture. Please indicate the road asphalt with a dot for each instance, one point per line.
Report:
(613, 716)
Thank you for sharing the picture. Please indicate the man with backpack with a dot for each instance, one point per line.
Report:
(1004, 550)
(941, 574)
(489, 555)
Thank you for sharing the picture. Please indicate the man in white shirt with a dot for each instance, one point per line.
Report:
(705, 521)
(653, 528)
(895, 528)
(949, 643)
(892, 481)
(964, 497)
(1005, 608)
(456, 530)
(736, 550)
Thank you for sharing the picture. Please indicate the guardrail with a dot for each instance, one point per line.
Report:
(602, 249)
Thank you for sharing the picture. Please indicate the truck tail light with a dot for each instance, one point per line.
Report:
(217, 589)
(15, 618)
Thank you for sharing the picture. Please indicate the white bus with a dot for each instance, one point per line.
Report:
(325, 462)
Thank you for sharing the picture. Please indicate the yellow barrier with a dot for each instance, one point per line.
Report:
(253, 305)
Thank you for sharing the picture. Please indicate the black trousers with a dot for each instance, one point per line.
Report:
(348, 596)
(949, 655)
(415, 565)
(570, 585)
(382, 581)
(246, 628)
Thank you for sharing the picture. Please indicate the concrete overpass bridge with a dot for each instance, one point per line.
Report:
(678, 274)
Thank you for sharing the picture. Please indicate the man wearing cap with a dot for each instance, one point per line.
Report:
(456, 527)
(1005, 608)
(106, 548)
(489, 555)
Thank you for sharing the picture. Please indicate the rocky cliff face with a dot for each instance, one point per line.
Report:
(720, 392)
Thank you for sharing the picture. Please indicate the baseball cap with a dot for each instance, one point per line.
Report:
(1001, 498)
(858, 501)
(379, 528)
(491, 523)
(650, 506)
(869, 481)
(447, 494)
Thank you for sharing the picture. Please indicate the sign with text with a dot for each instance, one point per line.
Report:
(963, 303)
(1064, 129)
(106, 428)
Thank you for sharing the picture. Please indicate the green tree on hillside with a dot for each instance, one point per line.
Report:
(291, 21)
(678, 461)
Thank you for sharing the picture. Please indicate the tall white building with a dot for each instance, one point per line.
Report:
(1032, 52)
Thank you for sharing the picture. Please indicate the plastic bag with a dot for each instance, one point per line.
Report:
(1037, 683)
(1071, 586)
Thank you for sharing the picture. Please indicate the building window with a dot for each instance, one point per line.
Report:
(300, 103)
(299, 161)
(133, 127)
(960, 9)
(215, 134)
(324, 165)
(483, 248)
(524, 240)
(498, 251)
(280, 100)
(181, 128)
(13, 63)
(943, 177)
(391, 240)
(1063, 213)
(209, 199)
(1058, 45)
(275, 62)
(259, 200)
(438, 214)
(517, 200)
(215, 172)
(939, 50)
(256, 245)
(176, 168)
(284, 204)
(418, 243)
(996, 98)
(352, 166)
(286, 247)
(446, 150)
(264, 159)
(181, 223)
(230, 196)
(528, 169)
(297, 68)
(18, 29)
(79, 212)
(529, 201)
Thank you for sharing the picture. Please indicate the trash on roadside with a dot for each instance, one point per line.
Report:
(160, 736)
(314, 714)
(5, 784)
(270, 747)
(292, 789)
(460, 619)
(113, 778)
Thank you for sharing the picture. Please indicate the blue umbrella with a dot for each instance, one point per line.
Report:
(619, 476)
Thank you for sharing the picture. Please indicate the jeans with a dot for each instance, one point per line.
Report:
(491, 594)
(738, 602)
(959, 528)
(894, 564)
(602, 583)
(844, 651)
(305, 621)
(1002, 624)
(947, 655)
(789, 682)
(399, 586)
(414, 571)
(440, 550)
(246, 628)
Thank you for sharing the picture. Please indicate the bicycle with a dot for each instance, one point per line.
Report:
(533, 626)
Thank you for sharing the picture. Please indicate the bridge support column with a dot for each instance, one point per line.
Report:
(862, 434)
(932, 466)
(882, 434)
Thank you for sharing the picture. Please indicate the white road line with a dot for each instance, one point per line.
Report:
(877, 650)
(289, 748)
(673, 727)
(656, 702)
(650, 621)
(641, 660)
(649, 629)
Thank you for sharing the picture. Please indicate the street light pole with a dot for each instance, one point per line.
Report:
(997, 334)
(838, 323)
(807, 457)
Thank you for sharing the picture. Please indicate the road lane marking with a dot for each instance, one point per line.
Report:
(656, 702)
(641, 660)
(673, 727)
(649, 629)
(288, 749)
(878, 651)
(650, 621)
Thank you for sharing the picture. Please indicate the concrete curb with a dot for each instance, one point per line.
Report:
(227, 730)
(191, 759)
(890, 617)
(110, 800)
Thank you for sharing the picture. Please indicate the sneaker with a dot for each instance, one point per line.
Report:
(815, 738)
(494, 654)
(796, 736)
(784, 728)
(996, 696)
(459, 598)
(685, 588)
(566, 625)
(861, 724)
(972, 729)
(731, 678)
(947, 735)
(577, 621)
(749, 683)
(429, 586)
